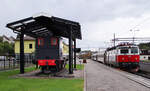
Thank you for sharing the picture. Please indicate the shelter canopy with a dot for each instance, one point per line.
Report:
(41, 26)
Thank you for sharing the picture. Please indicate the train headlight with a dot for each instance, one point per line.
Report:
(136, 58)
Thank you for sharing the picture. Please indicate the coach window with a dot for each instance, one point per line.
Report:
(40, 41)
(54, 41)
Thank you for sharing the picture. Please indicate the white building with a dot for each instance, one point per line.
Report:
(8, 39)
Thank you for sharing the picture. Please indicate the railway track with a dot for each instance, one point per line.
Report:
(142, 73)
(51, 74)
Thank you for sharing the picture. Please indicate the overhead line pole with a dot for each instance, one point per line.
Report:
(114, 39)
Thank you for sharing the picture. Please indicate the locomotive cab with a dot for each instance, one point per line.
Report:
(128, 56)
(49, 54)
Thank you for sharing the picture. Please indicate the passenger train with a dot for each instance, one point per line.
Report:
(124, 55)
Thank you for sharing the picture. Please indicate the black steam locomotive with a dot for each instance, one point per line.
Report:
(49, 53)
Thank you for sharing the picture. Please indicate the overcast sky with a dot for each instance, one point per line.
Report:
(99, 19)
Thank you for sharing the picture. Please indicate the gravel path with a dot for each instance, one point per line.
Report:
(62, 74)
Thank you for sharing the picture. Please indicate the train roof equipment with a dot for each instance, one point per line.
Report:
(121, 44)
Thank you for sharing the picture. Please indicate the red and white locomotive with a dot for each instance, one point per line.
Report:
(124, 55)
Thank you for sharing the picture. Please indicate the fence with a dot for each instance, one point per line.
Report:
(8, 62)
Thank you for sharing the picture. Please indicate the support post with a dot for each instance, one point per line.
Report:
(74, 53)
(114, 39)
(70, 52)
(22, 53)
(133, 39)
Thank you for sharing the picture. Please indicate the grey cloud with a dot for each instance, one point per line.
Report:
(82, 11)
(93, 10)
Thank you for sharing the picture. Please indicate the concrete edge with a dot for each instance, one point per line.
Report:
(85, 82)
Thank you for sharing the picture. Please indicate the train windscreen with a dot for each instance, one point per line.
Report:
(130, 50)
(134, 50)
(124, 50)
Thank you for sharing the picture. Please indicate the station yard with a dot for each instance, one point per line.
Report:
(8, 83)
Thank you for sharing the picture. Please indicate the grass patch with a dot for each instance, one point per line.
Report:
(6, 74)
(78, 66)
(23, 84)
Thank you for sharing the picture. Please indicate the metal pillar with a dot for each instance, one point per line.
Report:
(114, 40)
(22, 53)
(74, 53)
(133, 40)
(70, 52)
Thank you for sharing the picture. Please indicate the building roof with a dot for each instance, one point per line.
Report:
(26, 38)
(5, 37)
(12, 38)
(8, 39)
(41, 26)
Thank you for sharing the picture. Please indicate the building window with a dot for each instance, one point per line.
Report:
(40, 41)
(54, 41)
(30, 46)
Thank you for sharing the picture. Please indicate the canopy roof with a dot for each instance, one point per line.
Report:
(41, 26)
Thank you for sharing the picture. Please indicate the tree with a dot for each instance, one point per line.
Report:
(1, 48)
(1, 39)
(144, 46)
(6, 48)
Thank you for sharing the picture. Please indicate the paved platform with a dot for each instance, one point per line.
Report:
(99, 77)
